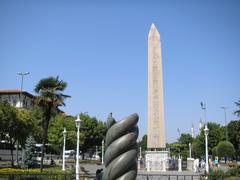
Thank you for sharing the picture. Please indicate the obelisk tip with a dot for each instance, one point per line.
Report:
(153, 31)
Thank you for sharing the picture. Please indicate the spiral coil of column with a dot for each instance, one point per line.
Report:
(121, 154)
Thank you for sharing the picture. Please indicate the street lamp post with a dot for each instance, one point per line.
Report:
(22, 74)
(206, 130)
(21, 104)
(102, 151)
(190, 150)
(78, 123)
(225, 119)
(64, 144)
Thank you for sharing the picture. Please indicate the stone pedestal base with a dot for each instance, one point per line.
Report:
(156, 160)
(179, 165)
(190, 164)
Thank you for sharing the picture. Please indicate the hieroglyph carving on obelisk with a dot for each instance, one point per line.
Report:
(156, 125)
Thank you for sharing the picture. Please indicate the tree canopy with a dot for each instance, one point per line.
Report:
(225, 149)
(143, 143)
(55, 135)
(15, 124)
(92, 132)
(216, 134)
(198, 148)
(185, 138)
(234, 135)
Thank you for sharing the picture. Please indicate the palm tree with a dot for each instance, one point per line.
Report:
(49, 99)
(237, 112)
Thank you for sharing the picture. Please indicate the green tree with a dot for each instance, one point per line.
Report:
(225, 149)
(15, 125)
(30, 159)
(55, 134)
(7, 121)
(185, 139)
(37, 117)
(198, 148)
(214, 151)
(92, 132)
(237, 112)
(50, 97)
(177, 149)
(234, 135)
(24, 124)
(181, 147)
(100, 132)
(216, 134)
(143, 143)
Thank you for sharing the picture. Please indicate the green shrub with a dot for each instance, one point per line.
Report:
(231, 174)
(216, 175)
(232, 178)
(234, 172)
(33, 171)
(35, 174)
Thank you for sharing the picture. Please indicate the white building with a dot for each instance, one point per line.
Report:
(17, 98)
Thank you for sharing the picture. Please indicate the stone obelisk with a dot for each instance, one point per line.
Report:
(156, 125)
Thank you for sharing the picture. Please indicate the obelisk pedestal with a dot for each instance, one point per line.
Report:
(156, 160)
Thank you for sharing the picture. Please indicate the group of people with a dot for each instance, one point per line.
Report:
(198, 165)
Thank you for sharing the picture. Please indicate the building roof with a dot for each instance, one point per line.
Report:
(16, 91)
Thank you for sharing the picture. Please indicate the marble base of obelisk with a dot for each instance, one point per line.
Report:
(156, 160)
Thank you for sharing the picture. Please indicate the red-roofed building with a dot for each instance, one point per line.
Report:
(14, 97)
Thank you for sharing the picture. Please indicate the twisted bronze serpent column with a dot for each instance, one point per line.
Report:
(121, 154)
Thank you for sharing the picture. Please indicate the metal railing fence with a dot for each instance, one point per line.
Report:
(47, 176)
(20, 176)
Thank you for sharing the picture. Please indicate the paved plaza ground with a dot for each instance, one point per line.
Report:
(168, 175)
(91, 168)
(144, 175)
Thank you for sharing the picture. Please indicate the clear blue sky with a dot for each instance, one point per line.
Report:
(100, 49)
